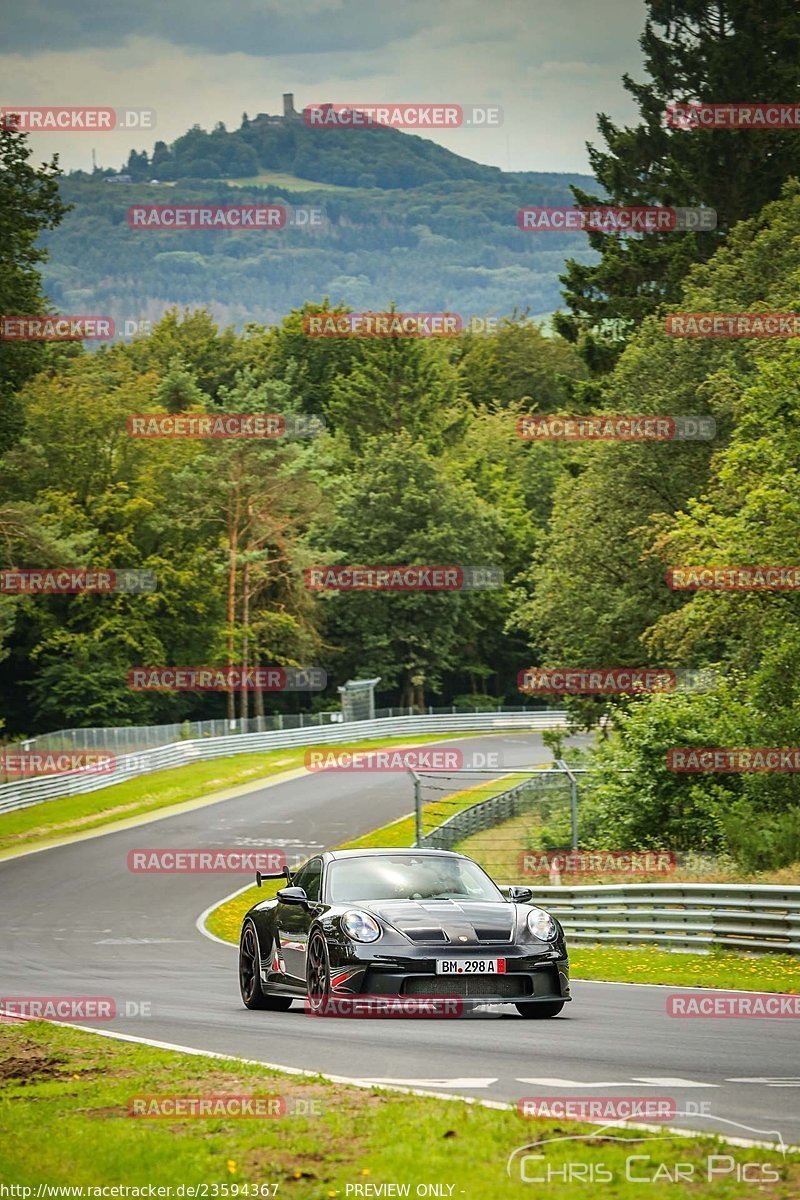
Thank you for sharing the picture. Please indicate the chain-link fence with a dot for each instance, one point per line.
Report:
(130, 739)
(497, 821)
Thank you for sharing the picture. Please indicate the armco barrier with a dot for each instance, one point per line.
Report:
(699, 916)
(22, 793)
(688, 916)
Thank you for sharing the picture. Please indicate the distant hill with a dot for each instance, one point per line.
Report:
(362, 158)
(404, 220)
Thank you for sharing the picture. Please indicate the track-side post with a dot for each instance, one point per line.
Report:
(573, 800)
(417, 807)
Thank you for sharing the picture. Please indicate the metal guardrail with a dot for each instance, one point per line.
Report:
(691, 916)
(686, 916)
(23, 793)
(130, 739)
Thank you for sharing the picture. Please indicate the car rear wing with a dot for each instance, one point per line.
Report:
(284, 874)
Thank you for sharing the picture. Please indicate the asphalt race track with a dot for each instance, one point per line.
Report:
(78, 923)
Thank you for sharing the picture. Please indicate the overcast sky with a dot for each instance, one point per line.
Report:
(551, 65)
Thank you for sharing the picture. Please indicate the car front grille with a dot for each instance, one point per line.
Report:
(467, 985)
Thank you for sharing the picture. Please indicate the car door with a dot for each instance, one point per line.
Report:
(294, 921)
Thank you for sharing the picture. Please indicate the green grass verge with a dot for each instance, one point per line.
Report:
(720, 969)
(225, 920)
(499, 850)
(64, 1120)
(51, 820)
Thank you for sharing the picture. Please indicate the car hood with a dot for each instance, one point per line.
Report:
(460, 922)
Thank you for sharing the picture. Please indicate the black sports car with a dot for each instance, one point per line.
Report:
(401, 923)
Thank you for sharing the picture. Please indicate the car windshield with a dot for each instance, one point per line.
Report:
(408, 877)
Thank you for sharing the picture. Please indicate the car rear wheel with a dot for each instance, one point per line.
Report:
(249, 981)
(318, 972)
(550, 1008)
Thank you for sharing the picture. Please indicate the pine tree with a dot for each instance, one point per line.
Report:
(714, 51)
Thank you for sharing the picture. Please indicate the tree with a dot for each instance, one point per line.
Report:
(401, 506)
(254, 498)
(596, 589)
(29, 204)
(704, 50)
(518, 363)
(399, 384)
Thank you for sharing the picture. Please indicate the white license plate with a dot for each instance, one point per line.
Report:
(470, 966)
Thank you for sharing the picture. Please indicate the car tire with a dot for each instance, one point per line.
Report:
(541, 1009)
(249, 975)
(318, 972)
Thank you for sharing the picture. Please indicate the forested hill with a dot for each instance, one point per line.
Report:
(362, 158)
(417, 225)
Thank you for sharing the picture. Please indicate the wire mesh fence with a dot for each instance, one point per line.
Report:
(129, 739)
(497, 821)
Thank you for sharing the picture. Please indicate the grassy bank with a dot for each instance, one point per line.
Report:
(67, 1096)
(54, 819)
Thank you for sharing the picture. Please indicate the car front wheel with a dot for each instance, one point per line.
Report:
(318, 972)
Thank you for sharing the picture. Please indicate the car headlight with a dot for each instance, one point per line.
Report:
(541, 924)
(360, 926)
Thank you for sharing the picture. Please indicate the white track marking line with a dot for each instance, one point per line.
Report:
(361, 1083)
(471, 1083)
(677, 987)
(200, 923)
(670, 1081)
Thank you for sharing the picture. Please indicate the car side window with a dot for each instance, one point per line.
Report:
(310, 879)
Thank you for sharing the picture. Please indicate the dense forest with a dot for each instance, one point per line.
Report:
(420, 461)
(450, 245)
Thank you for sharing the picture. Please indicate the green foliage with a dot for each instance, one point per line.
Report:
(693, 50)
(29, 203)
(402, 506)
(451, 245)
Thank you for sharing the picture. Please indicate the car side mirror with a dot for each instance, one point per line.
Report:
(293, 895)
(518, 895)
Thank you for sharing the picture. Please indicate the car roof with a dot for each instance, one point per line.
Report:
(394, 851)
